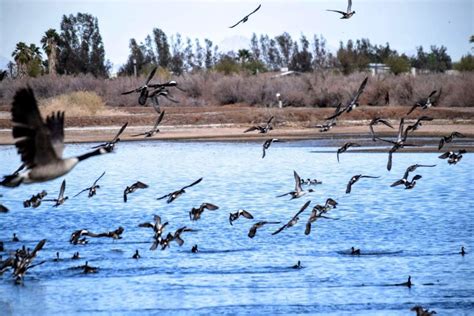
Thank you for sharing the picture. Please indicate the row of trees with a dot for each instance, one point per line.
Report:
(78, 48)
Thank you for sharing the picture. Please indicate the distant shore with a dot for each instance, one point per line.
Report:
(227, 123)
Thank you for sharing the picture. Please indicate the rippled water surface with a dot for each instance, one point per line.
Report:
(400, 232)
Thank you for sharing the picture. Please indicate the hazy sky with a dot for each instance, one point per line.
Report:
(405, 24)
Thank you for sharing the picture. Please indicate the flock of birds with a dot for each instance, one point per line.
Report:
(41, 143)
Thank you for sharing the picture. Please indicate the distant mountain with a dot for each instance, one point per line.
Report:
(234, 43)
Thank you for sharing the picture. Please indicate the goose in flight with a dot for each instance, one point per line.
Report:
(354, 179)
(267, 144)
(414, 127)
(61, 198)
(293, 220)
(453, 157)
(425, 102)
(318, 212)
(154, 130)
(196, 212)
(40, 143)
(143, 90)
(348, 14)
(253, 229)
(448, 139)
(414, 167)
(262, 129)
(298, 192)
(110, 145)
(235, 216)
(35, 200)
(92, 189)
(174, 195)
(377, 121)
(408, 184)
(345, 147)
(245, 19)
(354, 102)
(130, 189)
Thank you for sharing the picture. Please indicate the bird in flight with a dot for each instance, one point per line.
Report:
(354, 102)
(348, 14)
(245, 19)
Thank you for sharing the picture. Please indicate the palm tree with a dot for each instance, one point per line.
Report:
(22, 56)
(243, 55)
(50, 43)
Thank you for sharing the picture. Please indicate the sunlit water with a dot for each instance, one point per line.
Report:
(400, 232)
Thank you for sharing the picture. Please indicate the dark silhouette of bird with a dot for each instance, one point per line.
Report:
(356, 178)
(354, 102)
(414, 127)
(256, 226)
(235, 216)
(414, 167)
(348, 14)
(453, 157)
(407, 283)
(143, 90)
(420, 311)
(297, 266)
(245, 19)
(130, 189)
(408, 184)
(195, 249)
(267, 144)
(318, 212)
(35, 200)
(262, 129)
(136, 255)
(93, 188)
(463, 252)
(449, 139)
(154, 130)
(355, 251)
(176, 194)
(293, 220)
(345, 147)
(425, 103)
(109, 146)
(195, 213)
(3, 209)
(377, 121)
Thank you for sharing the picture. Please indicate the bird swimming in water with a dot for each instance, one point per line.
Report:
(348, 14)
(3, 209)
(109, 146)
(235, 216)
(130, 189)
(449, 139)
(425, 103)
(176, 194)
(297, 265)
(463, 252)
(267, 144)
(253, 229)
(262, 129)
(420, 311)
(136, 255)
(195, 213)
(356, 178)
(93, 188)
(61, 198)
(89, 269)
(40, 143)
(195, 249)
(355, 252)
(293, 220)
(377, 121)
(154, 130)
(298, 192)
(76, 256)
(15, 238)
(407, 283)
(353, 103)
(245, 18)
(345, 147)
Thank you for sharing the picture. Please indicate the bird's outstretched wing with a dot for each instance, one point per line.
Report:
(95, 182)
(119, 132)
(349, 6)
(194, 183)
(341, 12)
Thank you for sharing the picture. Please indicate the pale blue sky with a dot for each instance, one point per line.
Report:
(405, 24)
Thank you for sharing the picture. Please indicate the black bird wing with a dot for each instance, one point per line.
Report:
(385, 122)
(95, 182)
(86, 189)
(370, 177)
(445, 155)
(125, 192)
(251, 129)
(33, 138)
(400, 130)
(55, 124)
(141, 134)
(401, 181)
(297, 182)
(164, 196)
(158, 121)
(150, 76)
(284, 194)
(457, 134)
(253, 230)
(131, 91)
(146, 225)
(194, 183)
(209, 206)
(140, 185)
(349, 6)
(360, 90)
(62, 189)
(38, 247)
(246, 214)
(246, 17)
(119, 132)
(349, 185)
(432, 93)
(413, 108)
(270, 120)
(302, 209)
(280, 229)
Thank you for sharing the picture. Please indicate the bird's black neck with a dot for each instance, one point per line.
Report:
(96, 152)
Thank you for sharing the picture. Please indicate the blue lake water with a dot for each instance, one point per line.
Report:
(400, 232)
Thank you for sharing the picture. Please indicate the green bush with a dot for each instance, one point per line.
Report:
(465, 64)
